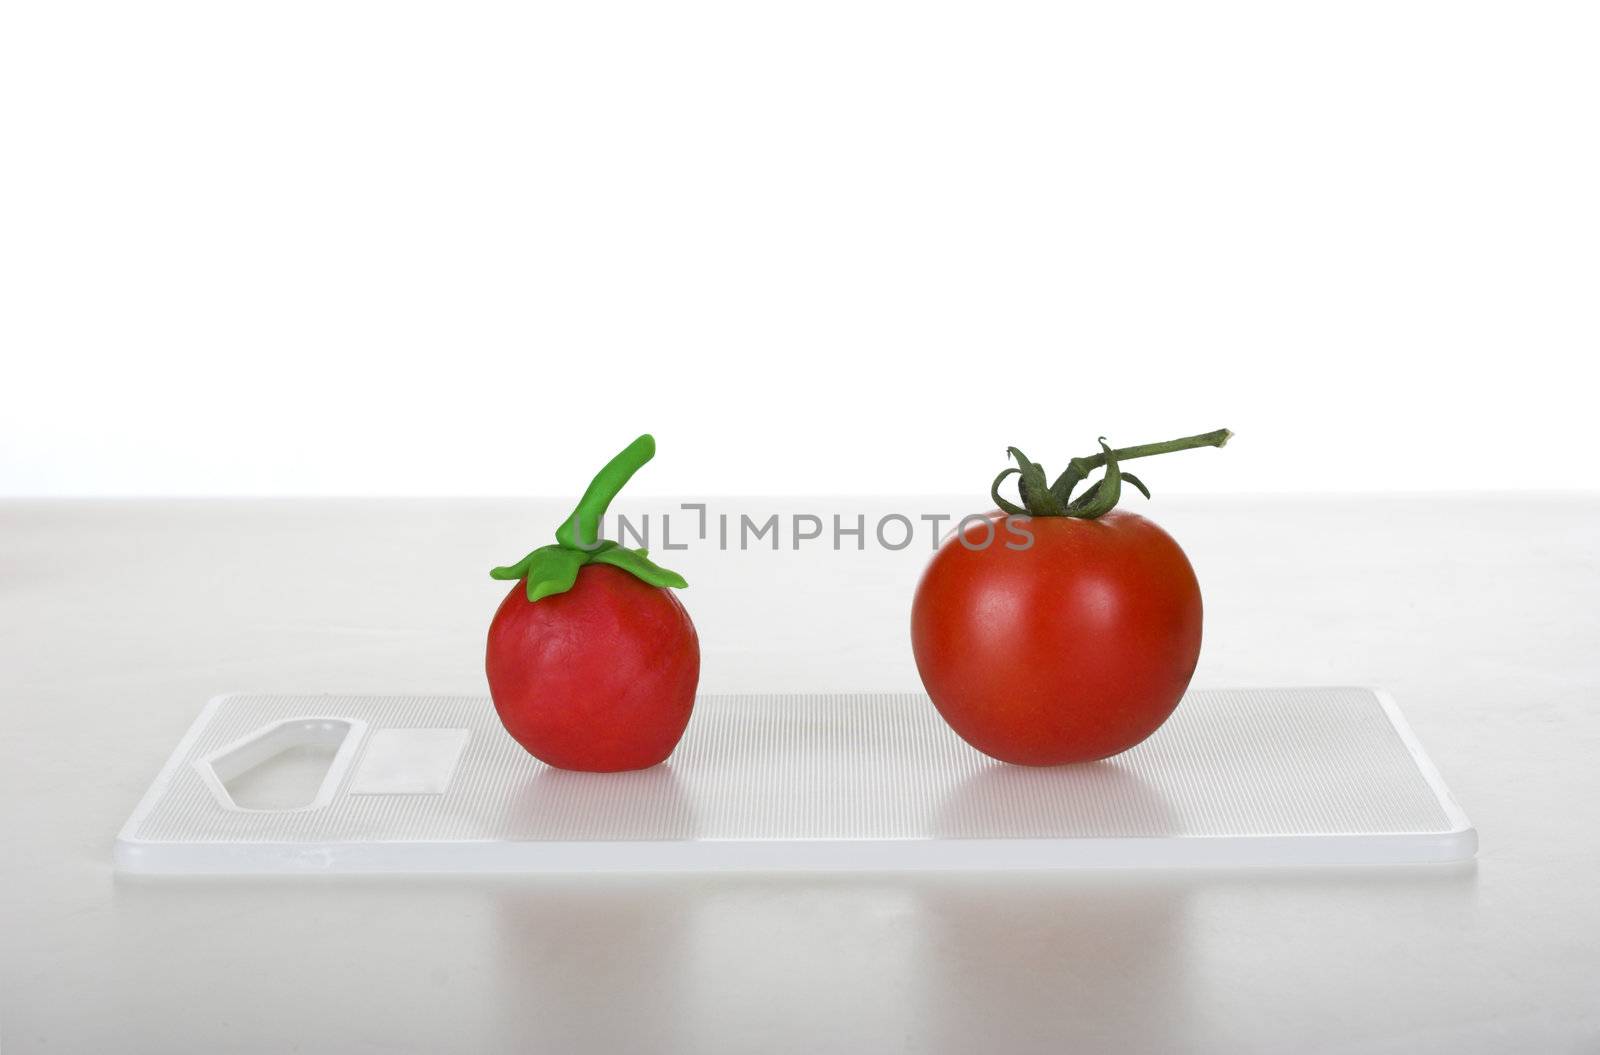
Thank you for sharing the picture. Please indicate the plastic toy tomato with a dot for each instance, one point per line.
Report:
(592, 661)
(1067, 636)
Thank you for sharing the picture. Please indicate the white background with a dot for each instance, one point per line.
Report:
(344, 248)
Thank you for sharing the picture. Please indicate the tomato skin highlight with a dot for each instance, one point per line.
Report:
(600, 678)
(1071, 650)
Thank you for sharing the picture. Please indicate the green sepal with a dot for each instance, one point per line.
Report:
(519, 569)
(1100, 499)
(1085, 498)
(1005, 504)
(1036, 496)
(641, 567)
(1129, 478)
(512, 571)
(549, 570)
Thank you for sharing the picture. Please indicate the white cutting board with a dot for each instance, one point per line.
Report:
(330, 784)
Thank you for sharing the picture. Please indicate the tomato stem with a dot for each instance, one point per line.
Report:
(1102, 495)
(1219, 438)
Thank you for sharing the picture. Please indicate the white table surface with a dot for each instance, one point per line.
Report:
(118, 619)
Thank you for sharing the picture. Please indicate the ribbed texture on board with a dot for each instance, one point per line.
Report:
(865, 766)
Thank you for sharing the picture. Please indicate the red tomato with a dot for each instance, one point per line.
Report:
(598, 678)
(1073, 649)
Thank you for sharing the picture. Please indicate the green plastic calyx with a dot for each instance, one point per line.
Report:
(553, 569)
(1055, 500)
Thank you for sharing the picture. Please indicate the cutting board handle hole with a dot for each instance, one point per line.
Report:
(294, 764)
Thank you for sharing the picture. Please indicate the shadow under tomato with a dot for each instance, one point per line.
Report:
(561, 804)
(1103, 798)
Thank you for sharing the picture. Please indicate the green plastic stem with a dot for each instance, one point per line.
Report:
(581, 530)
(551, 570)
